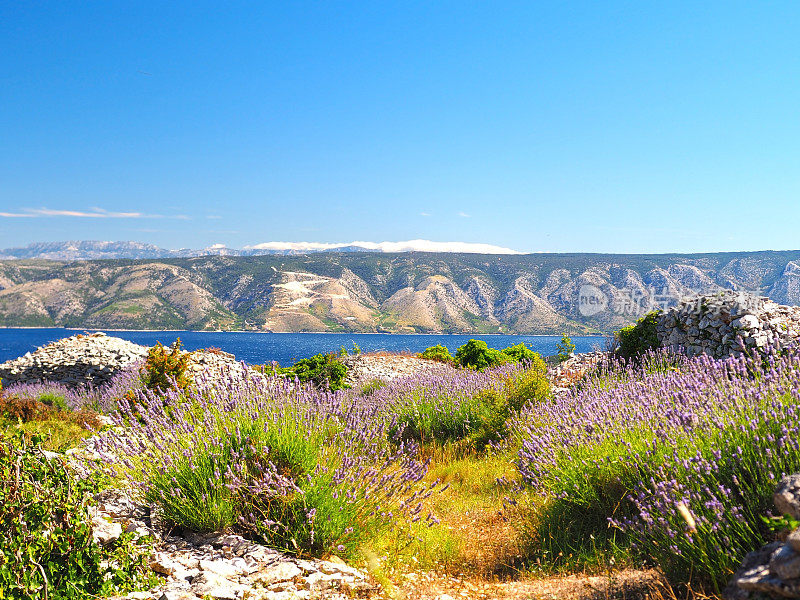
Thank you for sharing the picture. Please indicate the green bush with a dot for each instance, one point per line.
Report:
(476, 354)
(520, 353)
(323, 370)
(528, 386)
(437, 352)
(565, 348)
(475, 421)
(47, 549)
(284, 473)
(472, 423)
(636, 340)
(165, 369)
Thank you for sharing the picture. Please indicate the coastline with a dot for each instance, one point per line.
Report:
(103, 329)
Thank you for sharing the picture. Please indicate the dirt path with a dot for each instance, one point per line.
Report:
(623, 585)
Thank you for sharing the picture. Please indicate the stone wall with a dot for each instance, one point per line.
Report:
(94, 359)
(90, 359)
(728, 324)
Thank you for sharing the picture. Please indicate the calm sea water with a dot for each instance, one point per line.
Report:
(258, 348)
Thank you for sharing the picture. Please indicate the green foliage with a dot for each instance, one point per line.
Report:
(55, 400)
(439, 353)
(476, 354)
(47, 549)
(313, 514)
(165, 369)
(565, 348)
(636, 340)
(528, 386)
(520, 353)
(372, 386)
(474, 422)
(442, 420)
(323, 370)
(59, 429)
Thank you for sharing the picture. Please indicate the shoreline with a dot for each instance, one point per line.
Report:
(82, 329)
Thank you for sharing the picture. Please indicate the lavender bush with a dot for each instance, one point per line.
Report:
(682, 460)
(466, 405)
(103, 398)
(303, 469)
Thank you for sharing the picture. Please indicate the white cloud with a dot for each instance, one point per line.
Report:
(463, 214)
(408, 246)
(92, 213)
(424, 214)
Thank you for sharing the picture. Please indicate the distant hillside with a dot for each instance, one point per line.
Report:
(369, 292)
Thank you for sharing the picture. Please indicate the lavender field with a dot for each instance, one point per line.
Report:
(668, 462)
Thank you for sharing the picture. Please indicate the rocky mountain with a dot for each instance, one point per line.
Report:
(371, 291)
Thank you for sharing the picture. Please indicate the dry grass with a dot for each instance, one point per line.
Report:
(622, 585)
(476, 536)
(61, 429)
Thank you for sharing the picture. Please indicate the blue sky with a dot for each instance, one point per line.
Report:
(539, 126)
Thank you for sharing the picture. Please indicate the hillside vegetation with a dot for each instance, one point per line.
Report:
(372, 292)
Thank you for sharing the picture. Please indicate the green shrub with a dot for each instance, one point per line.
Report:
(520, 353)
(47, 549)
(636, 340)
(437, 352)
(565, 348)
(165, 369)
(528, 386)
(56, 401)
(476, 354)
(323, 370)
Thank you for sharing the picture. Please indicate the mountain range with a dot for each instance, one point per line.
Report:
(377, 292)
(92, 249)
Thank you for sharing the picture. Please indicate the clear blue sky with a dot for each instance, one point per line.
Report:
(540, 126)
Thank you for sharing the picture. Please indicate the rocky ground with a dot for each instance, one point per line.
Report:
(363, 368)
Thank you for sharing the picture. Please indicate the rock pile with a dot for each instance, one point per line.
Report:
(90, 359)
(94, 359)
(564, 375)
(728, 324)
(774, 570)
(363, 368)
(222, 566)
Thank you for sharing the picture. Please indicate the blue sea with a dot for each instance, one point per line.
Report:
(285, 348)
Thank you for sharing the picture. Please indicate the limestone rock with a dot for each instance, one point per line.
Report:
(787, 496)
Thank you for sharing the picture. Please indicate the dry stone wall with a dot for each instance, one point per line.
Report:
(728, 324)
(94, 359)
(91, 359)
